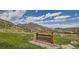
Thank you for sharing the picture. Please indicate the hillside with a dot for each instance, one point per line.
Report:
(8, 26)
(34, 27)
(73, 29)
(5, 24)
(14, 37)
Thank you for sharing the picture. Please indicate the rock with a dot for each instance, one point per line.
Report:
(74, 42)
(69, 46)
(56, 46)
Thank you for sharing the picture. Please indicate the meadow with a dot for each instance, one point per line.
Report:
(10, 40)
(64, 39)
(20, 40)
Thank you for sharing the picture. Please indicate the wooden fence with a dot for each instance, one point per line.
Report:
(46, 37)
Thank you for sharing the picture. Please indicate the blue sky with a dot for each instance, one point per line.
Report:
(48, 18)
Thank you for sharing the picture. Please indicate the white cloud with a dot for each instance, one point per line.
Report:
(33, 19)
(57, 20)
(40, 18)
(62, 17)
(77, 17)
(75, 14)
(12, 14)
(52, 14)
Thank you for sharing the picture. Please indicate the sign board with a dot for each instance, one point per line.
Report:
(46, 37)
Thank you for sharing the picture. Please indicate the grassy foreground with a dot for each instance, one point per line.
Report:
(9, 40)
(67, 39)
(16, 41)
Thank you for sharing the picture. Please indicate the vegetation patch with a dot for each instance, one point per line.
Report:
(67, 39)
(16, 40)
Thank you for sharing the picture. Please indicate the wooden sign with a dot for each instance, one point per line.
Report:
(45, 37)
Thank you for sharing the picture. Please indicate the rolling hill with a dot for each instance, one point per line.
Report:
(8, 26)
(5, 24)
(30, 27)
(35, 27)
(71, 29)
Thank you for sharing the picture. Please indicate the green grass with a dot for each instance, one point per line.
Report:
(61, 40)
(9, 40)
(66, 39)
(16, 40)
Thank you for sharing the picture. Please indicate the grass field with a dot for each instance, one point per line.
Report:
(16, 40)
(12, 40)
(67, 39)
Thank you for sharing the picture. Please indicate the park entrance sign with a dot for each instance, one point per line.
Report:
(44, 37)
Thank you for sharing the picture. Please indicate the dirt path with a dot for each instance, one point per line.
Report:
(45, 44)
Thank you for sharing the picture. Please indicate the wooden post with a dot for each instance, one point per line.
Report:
(52, 40)
(36, 36)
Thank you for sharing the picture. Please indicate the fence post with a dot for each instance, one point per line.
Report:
(52, 39)
(36, 35)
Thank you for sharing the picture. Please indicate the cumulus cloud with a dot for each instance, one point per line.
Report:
(62, 17)
(75, 14)
(40, 18)
(59, 18)
(32, 19)
(12, 15)
(77, 17)
(52, 14)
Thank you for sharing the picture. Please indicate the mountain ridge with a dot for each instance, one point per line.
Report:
(35, 27)
(9, 26)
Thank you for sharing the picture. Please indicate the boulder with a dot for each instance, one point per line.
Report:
(74, 42)
(56, 46)
(68, 46)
